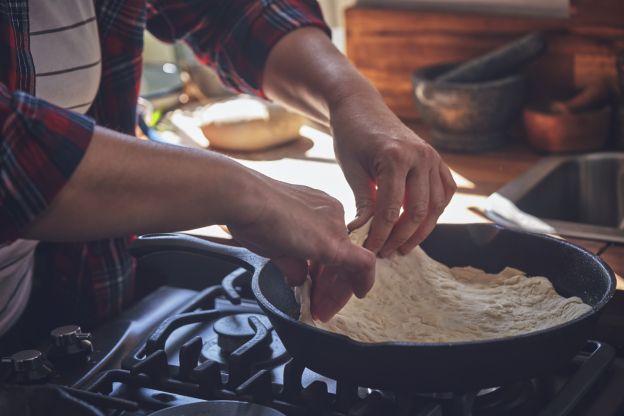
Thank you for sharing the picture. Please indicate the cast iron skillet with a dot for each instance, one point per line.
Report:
(218, 408)
(435, 367)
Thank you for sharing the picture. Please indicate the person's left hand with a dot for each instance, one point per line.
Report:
(389, 167)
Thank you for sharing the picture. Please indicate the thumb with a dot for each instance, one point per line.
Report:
(364, 192)
(294, 270)
(357, 265)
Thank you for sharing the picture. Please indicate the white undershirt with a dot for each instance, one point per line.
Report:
(65, 47)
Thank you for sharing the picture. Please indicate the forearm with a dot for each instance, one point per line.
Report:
(124, 186)
(307, 73)
(397, 178)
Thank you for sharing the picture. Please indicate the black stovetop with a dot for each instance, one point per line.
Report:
(179, 346)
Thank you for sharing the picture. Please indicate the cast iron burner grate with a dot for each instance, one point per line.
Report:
(238, 356)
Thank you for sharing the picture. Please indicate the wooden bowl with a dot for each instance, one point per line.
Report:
(567, 132)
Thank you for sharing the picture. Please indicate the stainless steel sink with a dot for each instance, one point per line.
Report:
(577, 196)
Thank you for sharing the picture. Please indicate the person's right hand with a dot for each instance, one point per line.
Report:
(301, 228)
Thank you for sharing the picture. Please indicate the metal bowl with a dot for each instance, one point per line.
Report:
(467, 117)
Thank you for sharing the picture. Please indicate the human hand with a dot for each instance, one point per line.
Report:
(302, 230)
(388, 167)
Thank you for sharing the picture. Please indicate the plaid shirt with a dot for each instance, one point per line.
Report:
(41, 144)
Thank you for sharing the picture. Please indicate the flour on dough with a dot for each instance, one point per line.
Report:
(417, 299)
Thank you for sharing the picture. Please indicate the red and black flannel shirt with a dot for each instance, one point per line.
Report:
(41, 144)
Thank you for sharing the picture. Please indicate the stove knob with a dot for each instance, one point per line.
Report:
(30, 366)
(70, 340)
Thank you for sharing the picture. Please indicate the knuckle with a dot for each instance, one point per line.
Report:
(393, 243)
(391, 155)
(364, 204)
(439, 206)
(370, 259)
(390, 215)
(332, 204)
(428, 153)
(336, 205)
(417, 212)
(394, 150)
(331, 252)
(321, 194)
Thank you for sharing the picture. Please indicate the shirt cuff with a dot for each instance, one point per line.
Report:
(40, 147)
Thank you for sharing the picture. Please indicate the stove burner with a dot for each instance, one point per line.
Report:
(233, 331)
(219, 407)
(229, 359)
(515, 399)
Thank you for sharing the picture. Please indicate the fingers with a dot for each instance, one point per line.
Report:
(390, 194)
(357, 266)
(295, 270)
(416, 208)
(351, 271)
(361, 218)
(437, 202)
(365, 203)
(330, 293)
(354, 263)
(449, 183)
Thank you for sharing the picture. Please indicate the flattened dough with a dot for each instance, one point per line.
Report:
(417, 299)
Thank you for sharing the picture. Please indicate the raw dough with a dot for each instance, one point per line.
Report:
(417, 299)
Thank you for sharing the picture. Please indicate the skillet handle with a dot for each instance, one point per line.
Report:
(238, 256)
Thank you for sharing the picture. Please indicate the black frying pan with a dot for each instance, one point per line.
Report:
(439, 367)
(218, 408)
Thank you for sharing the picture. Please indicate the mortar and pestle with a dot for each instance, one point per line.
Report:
(469, 106)
(577, 124)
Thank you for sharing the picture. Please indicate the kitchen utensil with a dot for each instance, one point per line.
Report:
(246, 124)
(218, 408)
(498, 63)
(440, 367)
(467, 117)
(567, 132)
(594, 95)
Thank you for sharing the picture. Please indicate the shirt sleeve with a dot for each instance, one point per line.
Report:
(232, 36)
(40, 147)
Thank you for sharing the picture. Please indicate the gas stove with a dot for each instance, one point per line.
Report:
(179, 346)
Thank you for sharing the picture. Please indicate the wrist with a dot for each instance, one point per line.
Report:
(239, 194)
(353, 89)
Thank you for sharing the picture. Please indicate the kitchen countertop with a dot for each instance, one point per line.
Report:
(310, 161)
